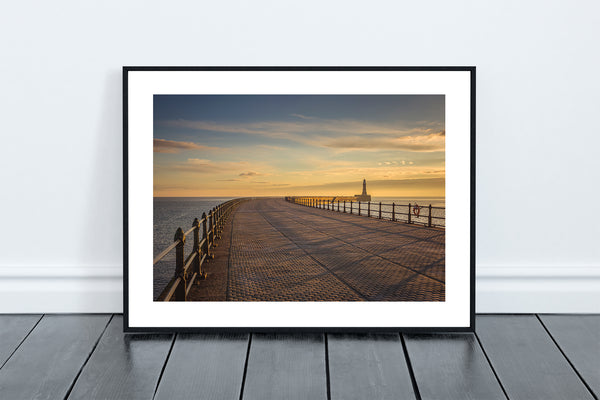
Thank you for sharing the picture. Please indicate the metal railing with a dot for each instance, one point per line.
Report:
(189, 269)
(411, 213)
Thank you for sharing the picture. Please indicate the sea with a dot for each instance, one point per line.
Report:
(171, 213)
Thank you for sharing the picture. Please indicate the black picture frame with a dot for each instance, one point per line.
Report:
(126, 180)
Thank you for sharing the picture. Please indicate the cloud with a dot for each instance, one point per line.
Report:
(332, 133)
(223, 169)
(428, 186)
(229, 180)
(271, 147)
(250, 173)
(301, 116)
(203, 166)
(422, 143)
(172, 146)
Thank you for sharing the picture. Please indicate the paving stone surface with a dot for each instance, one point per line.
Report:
(280, 251)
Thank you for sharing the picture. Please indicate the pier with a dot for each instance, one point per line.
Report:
(274, 249)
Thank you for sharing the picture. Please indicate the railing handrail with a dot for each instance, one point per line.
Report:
(179, 286)
(330, 202)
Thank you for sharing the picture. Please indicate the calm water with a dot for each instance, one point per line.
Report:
(173, 212)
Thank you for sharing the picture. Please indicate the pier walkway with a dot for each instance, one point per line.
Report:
(273, 250)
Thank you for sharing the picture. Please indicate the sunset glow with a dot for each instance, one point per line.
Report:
(259, 145)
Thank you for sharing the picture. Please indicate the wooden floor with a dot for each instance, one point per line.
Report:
(510, 356)
(272, 250)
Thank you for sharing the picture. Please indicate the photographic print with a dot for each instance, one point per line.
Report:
(288, 198)
(263, 157)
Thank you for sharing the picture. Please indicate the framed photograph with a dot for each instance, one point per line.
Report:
(299, 198)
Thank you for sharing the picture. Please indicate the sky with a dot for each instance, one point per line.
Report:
(300, 145)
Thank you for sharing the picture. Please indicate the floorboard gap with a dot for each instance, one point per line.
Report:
(566, 358)
(491, 366)
(162, 371)
(21, 342)
(327, 375)
(87, 358)
(410, 369)
(246, 366)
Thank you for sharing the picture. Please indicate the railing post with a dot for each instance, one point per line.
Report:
(179, 264)
(359, 208)
(216, 221)
(379, 210)
(205, 246)
(338, 206)
(393, 211)
(429, 217)
(351, 206)
(219, 220)
(344, 206)
(368, 209)
(197, 269)
(211, 231)
(409, 213)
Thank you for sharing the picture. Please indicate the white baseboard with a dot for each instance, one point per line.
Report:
(47, 289)
(564, 289)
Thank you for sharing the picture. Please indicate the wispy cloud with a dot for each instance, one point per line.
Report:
(422, 143)
(250, 173)
(430, 186)
(243, 169)
(172, 146)
(341, 134)
(301, 116)
(203, 166)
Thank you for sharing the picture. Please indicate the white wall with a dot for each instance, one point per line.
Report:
(538, 100)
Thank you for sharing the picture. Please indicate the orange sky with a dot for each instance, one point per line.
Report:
(298, 145)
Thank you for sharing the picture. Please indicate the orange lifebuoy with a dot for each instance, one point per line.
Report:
(416, 210)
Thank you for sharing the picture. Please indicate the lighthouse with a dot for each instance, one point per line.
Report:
(364, 196)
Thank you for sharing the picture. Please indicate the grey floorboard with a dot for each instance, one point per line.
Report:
(13, 329)
(48, 361)
(526, 360)
(368, 366)
(451, 366)
(286, 366)
(205, 366)
(579, 338)
(123, 366)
